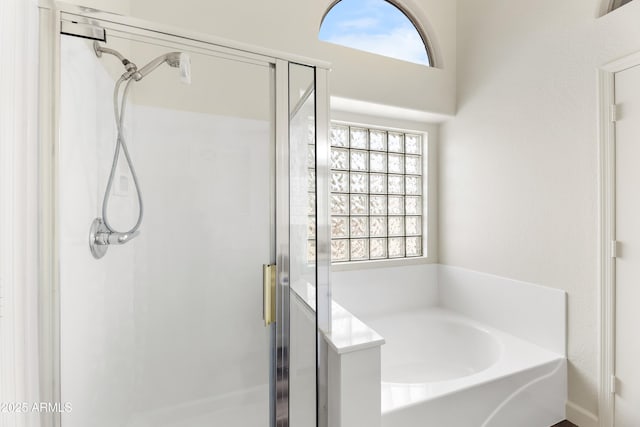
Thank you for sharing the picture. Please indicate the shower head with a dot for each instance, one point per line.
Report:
(179, 60)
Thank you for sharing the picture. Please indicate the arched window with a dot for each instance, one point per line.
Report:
(376, 26)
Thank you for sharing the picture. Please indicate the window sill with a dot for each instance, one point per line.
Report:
(381, 263)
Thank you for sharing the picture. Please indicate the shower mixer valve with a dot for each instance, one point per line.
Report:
(100, 237)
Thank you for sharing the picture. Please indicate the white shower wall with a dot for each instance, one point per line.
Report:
(93, 321)
(167, 329)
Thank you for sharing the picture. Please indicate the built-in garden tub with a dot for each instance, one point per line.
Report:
(442, 369)
(462, 348)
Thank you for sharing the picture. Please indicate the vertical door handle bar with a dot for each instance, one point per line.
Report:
(269, 293)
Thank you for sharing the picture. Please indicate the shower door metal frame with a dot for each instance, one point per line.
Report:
(51, 16)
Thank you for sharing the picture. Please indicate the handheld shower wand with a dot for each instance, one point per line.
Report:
(174, 59)
(102, 234)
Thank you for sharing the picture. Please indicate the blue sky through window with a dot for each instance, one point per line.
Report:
(374, 26)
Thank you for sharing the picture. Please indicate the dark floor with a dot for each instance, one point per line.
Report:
(565, 424)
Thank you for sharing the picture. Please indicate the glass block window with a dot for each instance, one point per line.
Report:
(376, 184)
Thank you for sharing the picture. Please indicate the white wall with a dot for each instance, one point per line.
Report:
(526, 310)
(292, 26)
(519, 166)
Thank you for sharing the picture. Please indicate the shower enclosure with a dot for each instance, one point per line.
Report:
(182, 326)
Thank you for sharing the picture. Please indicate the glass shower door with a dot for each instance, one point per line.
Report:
(167, 329)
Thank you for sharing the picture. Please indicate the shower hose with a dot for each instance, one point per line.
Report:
(121, 143)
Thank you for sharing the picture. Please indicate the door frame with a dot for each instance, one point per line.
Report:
(51, 14)
(607, 231)
(18, 207)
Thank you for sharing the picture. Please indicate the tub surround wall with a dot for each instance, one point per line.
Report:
(526, 310)
(374, 292)
(534, 313)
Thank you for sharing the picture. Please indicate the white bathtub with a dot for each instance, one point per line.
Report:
(442, 369)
